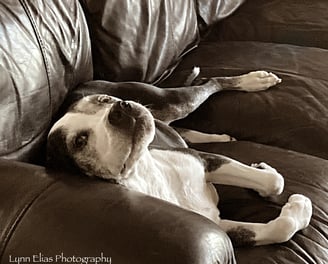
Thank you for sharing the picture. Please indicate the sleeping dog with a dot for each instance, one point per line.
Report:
(104, 136)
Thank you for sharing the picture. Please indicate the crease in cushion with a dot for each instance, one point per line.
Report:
(211, 11)
(44, 53)
(139, 40)
(291, 115)
(296, 22)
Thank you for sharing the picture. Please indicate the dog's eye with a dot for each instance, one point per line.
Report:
(104, 99)
(81, 140)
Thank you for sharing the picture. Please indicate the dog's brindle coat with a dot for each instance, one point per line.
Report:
(108, 137)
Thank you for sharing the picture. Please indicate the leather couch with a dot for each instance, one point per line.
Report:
(49, 48)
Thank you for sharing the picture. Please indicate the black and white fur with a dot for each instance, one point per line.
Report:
(107, 137)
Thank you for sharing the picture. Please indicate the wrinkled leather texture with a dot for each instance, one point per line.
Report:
(51, 214)
(296, 22)
(303, 174)
(137, 40)
(292, 115)
(212, 11)
(44, 53)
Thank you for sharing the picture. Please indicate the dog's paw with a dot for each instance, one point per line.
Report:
(300, 208)
(258, 81)
(273, 181)
(295, 215)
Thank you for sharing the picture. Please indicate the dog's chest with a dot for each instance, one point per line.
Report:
(175, 177)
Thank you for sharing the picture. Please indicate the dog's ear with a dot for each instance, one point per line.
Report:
(58, 156)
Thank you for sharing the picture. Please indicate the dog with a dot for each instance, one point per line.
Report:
(106, 136)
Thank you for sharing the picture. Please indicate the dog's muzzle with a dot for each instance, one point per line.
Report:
(121, 115)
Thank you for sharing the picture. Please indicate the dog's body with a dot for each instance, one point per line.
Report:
(106, 137)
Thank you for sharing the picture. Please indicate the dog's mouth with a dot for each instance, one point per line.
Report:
(136, 121)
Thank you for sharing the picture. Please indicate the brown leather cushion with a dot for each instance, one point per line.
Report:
(50, 213)
(292, 115)
(44, 53)
(139, 40)
(284, 21)
(304, 174)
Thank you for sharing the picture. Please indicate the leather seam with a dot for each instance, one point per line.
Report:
(18, 217)
(46, 66)
(42, 50)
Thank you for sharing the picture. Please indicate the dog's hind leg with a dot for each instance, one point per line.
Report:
(260, 177)
(295, 215)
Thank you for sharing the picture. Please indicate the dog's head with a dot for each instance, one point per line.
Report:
(101, 136)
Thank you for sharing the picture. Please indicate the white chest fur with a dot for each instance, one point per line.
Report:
(177, 178)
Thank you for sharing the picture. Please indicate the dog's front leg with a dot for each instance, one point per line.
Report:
(180, 102)
(192, 136)
(251, 82)
(167, 105)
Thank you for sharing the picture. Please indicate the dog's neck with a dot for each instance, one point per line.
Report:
(155, 171)
(143, 169)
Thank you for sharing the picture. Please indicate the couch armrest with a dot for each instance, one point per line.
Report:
(65, 215)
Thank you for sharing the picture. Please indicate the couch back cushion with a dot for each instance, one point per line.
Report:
(303, 23)
(137, 40)
(44, 52)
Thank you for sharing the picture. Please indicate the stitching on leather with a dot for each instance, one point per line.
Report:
(47, 68)
(171, 27)
(43, 52)
(18, 217)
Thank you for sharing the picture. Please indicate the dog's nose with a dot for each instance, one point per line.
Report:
(119, 114)
(125, 105)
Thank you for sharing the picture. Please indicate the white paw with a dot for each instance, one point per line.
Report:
(298, 207)
(258, 81)
(295, 215)
(273, 181)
